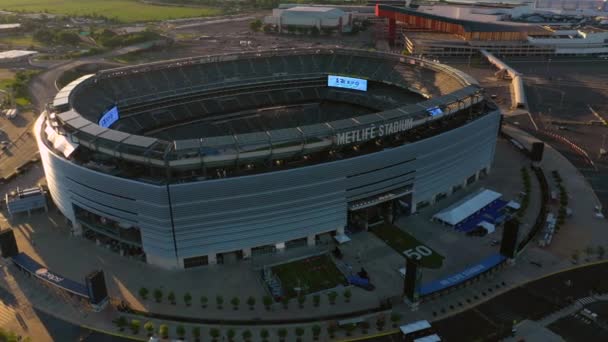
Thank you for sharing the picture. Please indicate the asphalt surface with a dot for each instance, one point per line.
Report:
(529, 301)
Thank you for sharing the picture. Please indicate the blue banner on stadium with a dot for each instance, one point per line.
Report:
(30, 265)
(466, 274)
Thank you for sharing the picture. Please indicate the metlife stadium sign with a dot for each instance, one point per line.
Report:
(109, 117)
(347, 82)
(373, 132)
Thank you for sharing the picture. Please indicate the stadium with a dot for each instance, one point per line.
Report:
(196, 161)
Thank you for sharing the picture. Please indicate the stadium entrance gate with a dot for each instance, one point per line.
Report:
(365, 214)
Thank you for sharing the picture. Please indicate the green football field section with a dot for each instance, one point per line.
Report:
(311, 275)
(404, 243)
(122, 10)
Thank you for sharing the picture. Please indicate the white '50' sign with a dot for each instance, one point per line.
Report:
(418, 252)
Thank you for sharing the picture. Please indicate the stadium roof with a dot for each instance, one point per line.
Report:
(466, 207)
(471, 22)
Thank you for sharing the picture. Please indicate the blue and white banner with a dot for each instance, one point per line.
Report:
(347, 82)
(110, 117)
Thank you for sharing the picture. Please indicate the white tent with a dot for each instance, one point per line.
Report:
(466, 207)
(490, 228)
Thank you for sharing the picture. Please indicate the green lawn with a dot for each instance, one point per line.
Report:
(122, 10)
(401, 241)
(311, 275)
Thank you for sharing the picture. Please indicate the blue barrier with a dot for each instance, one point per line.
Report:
(460, 277)
(28, 264)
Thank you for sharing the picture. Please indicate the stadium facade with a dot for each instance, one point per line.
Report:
(190, 162)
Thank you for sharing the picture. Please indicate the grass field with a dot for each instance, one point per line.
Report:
(23, 40)
(122, 10)
(401, 241)
(311, 275)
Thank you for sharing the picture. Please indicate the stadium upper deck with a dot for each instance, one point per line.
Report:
(155, 96)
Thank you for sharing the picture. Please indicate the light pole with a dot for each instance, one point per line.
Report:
(548, 63)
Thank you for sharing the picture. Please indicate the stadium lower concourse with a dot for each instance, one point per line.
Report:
(189, 162)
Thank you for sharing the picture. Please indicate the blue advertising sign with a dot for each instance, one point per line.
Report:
(434, 111)
(466, 274)
(30, 265)
(347, 82)
(110, 117)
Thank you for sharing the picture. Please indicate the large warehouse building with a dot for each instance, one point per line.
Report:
(189, 162)
(309, 17)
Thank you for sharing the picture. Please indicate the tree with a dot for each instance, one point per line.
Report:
(267, 302)
(267, 28)
(196, 333)
(349, 328)
(314, 31)
(204, 301)
(143, 293)
(187, 298)
(264, 335)
(163, 330)
(380, 323)
(600, 252)
(171, 297)
(149, 328)
(331, 330)
(180, 331)
(332, 297)
(121, 323)
(364, 327)
(251, 302)
(316, 299)
(255, 25)
(575, 257)
(214, 333)
(135, 325)
(235, 301)
(230, 334)
(395, 318)
(347, 295)
(589, 251)
(285, 302)
(327, 31)
(158, 295)
(246, 335)
(299, 333)
(301, 300)
(282, 332)
(219, 300)
(316, 331)
(291, 29)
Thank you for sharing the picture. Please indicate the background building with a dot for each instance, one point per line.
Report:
(309, 17)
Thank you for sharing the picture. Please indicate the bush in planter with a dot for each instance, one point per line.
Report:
(332, 297)
(121, 323)
(347, 295)
(316, 299)
(149, 328)
(246, 335)
(301, 300)
(187, 298)
(331, 330)
(380, 323)
(395, 318)
(171, 297)
(215, 334)
(180, 331)
(235, 301)
(251, 302)
(143, 293)
(267, 300)
(230, 334)
(349, 328)
(196, 333)
(364, 327)
(158, 295)
(219, 300)
(204, 301)
(135, 325)
(264, 335)
(285, 302)
(299, 333)
(163, 330)
(316, 331)
(282, 334)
